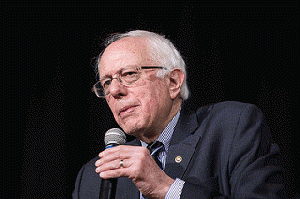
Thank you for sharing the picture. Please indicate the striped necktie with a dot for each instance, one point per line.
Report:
(154, 149)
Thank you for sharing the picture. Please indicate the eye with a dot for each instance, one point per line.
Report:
(106, 82)
(129, 73)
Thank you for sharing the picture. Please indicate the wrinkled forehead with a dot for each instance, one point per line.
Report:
(129, 51)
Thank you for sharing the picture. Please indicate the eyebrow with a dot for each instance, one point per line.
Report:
(109, 76)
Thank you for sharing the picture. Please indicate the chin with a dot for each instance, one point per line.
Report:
(132, 130)
(129, 130)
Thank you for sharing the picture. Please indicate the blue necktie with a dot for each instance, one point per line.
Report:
(154, 149)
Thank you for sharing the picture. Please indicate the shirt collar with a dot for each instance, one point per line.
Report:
(166, 135)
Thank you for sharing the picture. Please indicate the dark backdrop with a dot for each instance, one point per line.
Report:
(52, 122)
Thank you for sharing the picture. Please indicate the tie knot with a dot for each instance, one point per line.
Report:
(155, 147)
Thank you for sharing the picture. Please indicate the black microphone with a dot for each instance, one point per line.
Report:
(113, 137)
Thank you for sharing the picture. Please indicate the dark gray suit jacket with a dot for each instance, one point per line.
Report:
(226, 150)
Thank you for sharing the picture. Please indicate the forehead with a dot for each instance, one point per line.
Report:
(128, 51)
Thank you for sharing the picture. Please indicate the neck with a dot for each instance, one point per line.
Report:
(155, 132)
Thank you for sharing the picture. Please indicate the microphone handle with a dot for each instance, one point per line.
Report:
(108, 188)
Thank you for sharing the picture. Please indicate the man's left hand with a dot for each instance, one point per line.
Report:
(138, 165)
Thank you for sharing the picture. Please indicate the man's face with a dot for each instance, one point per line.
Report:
(142, 109)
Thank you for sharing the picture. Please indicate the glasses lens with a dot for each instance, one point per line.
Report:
(99, 90)
(129, 75)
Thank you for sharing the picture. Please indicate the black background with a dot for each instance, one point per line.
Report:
(53, 124)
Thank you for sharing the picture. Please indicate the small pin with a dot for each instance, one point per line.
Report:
(178, 159)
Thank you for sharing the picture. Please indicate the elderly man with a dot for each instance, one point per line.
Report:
(222, 150)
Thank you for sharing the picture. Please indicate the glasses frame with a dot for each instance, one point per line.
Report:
(100, 90)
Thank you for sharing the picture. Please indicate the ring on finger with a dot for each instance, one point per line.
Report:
(121, 163)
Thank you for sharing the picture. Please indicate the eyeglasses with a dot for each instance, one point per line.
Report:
(127, 77)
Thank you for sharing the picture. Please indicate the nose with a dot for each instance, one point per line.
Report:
(116, 89)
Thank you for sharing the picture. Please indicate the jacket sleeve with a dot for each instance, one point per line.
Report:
(252, 162)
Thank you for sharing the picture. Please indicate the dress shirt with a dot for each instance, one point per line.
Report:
(165, 138)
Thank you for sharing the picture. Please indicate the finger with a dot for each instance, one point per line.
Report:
(127, 152)
(128, 148)
(106, 157)
(108, 151)
(121, 152)
(123, 149)
(122, 172)
(97, 163)
(105, 160)
(113, 165)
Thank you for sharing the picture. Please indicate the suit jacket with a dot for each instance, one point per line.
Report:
(226, 151)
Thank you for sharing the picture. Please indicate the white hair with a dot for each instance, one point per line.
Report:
(161, 50)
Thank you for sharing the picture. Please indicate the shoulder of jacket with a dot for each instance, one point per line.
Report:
(226, 106)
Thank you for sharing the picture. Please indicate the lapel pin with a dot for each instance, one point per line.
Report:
(178, 159)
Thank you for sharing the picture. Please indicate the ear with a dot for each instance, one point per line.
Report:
(176, 78)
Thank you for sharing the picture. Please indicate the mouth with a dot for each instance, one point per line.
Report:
(126, 109)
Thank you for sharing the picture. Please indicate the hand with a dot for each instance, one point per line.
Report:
(138, 165)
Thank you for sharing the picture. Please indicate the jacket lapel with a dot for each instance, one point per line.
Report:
(183, 144)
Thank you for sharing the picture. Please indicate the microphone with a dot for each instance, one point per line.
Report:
(113, 137)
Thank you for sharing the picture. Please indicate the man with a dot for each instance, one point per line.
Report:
(222, 150)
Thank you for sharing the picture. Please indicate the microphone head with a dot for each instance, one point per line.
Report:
(114, 136)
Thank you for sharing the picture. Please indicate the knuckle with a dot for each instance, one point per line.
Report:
(143, 151)
(120, 150)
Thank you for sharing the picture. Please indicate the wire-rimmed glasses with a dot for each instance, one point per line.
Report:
(127, 76)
